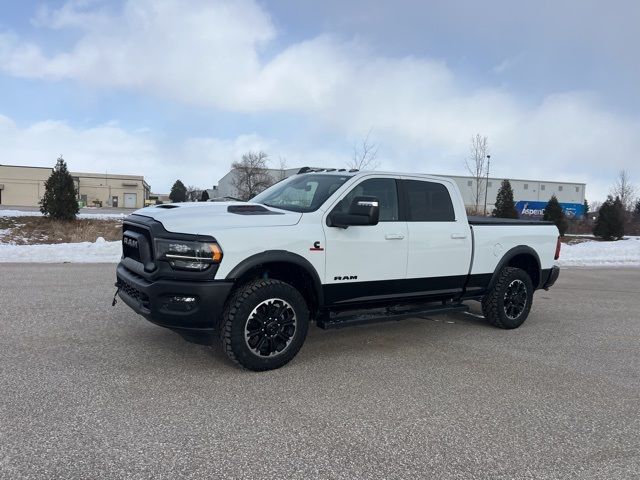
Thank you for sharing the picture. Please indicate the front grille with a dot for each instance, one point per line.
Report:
(134, 293)
(134, 252)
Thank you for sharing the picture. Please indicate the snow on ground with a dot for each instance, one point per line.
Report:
(602, 254)
(95, 216)
(84, 252)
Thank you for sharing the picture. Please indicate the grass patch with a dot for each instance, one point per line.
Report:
(35, 230)
(576, 239)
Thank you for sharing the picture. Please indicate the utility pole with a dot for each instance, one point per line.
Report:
(486, 188)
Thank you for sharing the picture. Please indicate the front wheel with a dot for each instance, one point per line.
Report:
(264, 325)
(508, 303)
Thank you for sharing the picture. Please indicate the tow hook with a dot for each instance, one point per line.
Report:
(115, 296)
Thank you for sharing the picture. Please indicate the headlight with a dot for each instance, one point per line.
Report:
(185, 255)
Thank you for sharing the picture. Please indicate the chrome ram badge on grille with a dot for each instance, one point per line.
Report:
(130, 242)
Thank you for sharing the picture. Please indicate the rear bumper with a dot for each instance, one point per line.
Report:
(554, 273)
(187, 307)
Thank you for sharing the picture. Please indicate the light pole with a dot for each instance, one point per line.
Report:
(486, 187)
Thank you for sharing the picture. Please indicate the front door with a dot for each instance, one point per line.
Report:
(366, 262)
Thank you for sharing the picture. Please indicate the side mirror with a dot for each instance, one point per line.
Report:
(362, 211)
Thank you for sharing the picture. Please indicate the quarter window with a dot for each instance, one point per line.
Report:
(428, 202)
(384, 189)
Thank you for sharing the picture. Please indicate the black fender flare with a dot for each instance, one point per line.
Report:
(281, 256)
(506, 258)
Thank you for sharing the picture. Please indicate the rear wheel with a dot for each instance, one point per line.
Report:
(264, 325)
(508, 303)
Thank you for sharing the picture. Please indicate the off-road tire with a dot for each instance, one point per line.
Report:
(236, 314)
(493, 304)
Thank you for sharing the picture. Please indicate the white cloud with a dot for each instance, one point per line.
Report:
(199, 161)
(109, 148)
(213, 54)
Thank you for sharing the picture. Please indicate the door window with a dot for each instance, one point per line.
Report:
(384, 189)
(428, 202)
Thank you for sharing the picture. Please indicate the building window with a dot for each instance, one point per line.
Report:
(560, 188)
(489, 184)
(543, 187)
(526, 186)
(577, 189)
(470, 183)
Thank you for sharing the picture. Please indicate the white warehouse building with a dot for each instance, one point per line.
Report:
(530, 196)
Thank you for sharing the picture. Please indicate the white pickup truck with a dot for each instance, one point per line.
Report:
(335, 247)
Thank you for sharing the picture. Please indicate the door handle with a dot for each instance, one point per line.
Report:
(394, 236)
(460, 236)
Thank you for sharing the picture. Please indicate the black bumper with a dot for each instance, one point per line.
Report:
(554, 273)
(162, 301)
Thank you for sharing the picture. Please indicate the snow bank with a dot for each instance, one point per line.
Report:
(95, 216)
(83, 252)
(593, 254)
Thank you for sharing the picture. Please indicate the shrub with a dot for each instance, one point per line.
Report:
(610, 223)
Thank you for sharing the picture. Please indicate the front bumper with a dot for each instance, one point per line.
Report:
(163, 301)
(554, 273)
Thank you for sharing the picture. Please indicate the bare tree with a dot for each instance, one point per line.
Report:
(193, 193)
(624, 189)
(251, 175)
(477, 166)
(364, 155)
(282, 173)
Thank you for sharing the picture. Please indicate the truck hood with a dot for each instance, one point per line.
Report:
(205, 218)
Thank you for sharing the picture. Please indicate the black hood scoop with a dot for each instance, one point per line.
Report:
(251, 210)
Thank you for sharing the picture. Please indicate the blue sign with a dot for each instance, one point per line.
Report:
(535, 209)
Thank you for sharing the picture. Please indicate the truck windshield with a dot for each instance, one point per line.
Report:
(301, 193)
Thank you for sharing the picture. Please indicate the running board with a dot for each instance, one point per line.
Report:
(329, 321)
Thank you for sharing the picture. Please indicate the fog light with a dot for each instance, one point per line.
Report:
(181, 303)
(181, 299)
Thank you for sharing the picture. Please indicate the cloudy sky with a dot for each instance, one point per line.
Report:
(179, 89)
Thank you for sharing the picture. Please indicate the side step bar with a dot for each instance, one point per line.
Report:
(329, 320)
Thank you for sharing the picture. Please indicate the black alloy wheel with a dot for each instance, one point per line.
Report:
(270, 327)
(515, 299)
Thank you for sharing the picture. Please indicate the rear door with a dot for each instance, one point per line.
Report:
(366, 262)
(439, 237)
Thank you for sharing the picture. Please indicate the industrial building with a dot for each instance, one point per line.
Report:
(530, 196)
(24, 186)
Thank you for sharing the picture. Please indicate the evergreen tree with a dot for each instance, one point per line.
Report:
(178, 192)
(636, 211)
(60, 200)
(586, 210)
(205, 196)
(505, 206)
(553, 213)
(610, 223)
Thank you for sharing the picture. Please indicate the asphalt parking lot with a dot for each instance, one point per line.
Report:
(91, 391)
